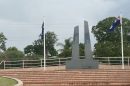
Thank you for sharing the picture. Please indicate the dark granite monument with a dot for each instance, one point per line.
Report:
(76, 62)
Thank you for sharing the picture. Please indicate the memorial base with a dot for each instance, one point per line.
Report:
(82, 64)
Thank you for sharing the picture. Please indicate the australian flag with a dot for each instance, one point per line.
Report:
(42, 34)
(115, 24)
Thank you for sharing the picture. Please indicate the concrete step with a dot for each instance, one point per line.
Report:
(87, 77)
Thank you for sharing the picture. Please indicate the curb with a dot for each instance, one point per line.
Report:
(20, 83)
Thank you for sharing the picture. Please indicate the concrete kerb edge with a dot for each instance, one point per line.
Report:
(20, 83)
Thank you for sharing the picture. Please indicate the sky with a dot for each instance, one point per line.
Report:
(21, 20)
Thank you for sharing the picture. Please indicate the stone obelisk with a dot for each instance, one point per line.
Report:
(75, 45)
(76, 62)
(89, 62)
(87, 42)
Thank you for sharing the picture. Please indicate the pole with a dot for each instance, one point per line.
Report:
(44, 50)
(4, 64)
(23, 64)
(41, 63)
(122, 48)
(44, 53)
(128, 61)
(43, 38)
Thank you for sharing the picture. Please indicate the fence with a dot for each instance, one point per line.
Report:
(50, 62)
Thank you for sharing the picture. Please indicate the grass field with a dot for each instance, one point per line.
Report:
(7, 82)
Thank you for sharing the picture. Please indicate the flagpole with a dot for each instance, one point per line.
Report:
(122, 48)
(44, 51)
(44, 43)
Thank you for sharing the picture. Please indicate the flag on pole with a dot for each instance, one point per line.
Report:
(43, 28)
(118, 21)
(115, 24)
(122, 48)
(42, 34)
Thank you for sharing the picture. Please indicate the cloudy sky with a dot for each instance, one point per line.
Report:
(20, 20)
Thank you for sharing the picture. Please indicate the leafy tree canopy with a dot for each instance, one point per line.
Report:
(66, 50)
(12, 53)
(2, 42)
(109, 43)
(37, 46)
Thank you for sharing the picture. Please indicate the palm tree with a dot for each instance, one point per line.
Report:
(66, 49)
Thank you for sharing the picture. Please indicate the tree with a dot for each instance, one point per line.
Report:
(66, 50)
(12, 53)
(29, 50)
(37, 47)
(81, 49)
(2, 56)
(2, 42)
(109, 43)
(51, 39)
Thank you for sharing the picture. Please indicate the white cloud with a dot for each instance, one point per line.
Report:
(21, 20)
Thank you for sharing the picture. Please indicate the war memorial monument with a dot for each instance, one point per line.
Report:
(76, 62)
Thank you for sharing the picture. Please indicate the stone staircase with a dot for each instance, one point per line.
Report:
(86, 77)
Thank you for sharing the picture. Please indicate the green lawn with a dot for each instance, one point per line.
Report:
(7, 82)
